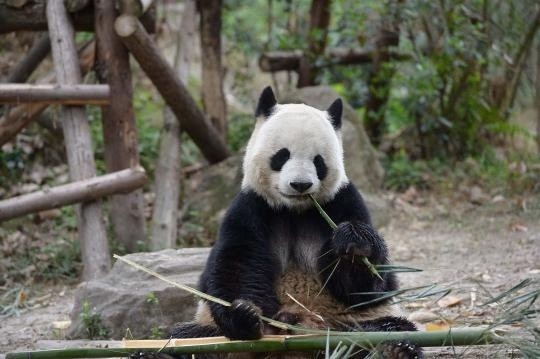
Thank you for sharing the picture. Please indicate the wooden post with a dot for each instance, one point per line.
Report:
(75, 192)
(319, 18)
(91, 229)
(55, 94)
(17, 118)
(40, 49)
(119, 128)
(192, 120)
(213, 97)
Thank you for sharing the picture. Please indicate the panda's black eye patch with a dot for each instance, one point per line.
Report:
(279, 158)
(320, 166)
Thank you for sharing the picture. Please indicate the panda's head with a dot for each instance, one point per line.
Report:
(295, 150)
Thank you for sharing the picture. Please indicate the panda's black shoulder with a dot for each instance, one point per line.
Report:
(247, 207)
(348, 203)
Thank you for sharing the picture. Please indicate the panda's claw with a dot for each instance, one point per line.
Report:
(244, 321)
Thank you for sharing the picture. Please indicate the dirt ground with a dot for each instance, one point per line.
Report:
(477, 250)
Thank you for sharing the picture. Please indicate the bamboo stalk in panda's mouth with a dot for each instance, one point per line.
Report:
(333, 225)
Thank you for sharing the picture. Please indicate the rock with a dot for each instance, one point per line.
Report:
(129, 298)
(214, 188)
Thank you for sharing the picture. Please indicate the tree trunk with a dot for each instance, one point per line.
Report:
(538, 97)
(91, 229)
(213, 97)
(319, 18)
(192, 120)
(168, 171)
(17, 118)
(75, 192)
(119, 128)
(380, 75)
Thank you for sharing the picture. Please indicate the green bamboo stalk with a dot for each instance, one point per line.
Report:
(451, 337)
(333, 225)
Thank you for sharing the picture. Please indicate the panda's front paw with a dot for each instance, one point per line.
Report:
(244, 321)
(350, 241)
(399, 350)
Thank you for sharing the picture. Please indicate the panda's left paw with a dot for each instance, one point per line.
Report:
(349, 241)
(399, 350)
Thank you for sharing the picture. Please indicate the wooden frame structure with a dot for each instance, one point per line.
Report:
(108, 55)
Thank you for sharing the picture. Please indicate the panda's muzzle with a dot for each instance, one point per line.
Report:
(300, 187)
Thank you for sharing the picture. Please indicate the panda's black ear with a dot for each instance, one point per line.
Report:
(335, 111)
(267, 101)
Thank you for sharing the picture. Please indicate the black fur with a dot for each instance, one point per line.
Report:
(242, 267)
(335, 111)
(266, 104)
(279, 159)
(320, 166)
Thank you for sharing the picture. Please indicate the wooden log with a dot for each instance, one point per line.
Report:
(91, 229)
(17, 118)
(80, 191)
(37, 53)
(55, 94)
(31, 17)
(192, 120)
(134, 7)
(212, 94)
(274, 61)
(119, 128)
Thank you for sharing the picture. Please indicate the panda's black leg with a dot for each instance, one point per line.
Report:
(392, 349)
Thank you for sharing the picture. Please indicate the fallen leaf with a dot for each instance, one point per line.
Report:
(422, 316)
(449, 301)
(518, 227)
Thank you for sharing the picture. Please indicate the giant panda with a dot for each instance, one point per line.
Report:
(278, 257)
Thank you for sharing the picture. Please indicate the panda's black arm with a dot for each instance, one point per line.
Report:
(240, 266)
(350, 276)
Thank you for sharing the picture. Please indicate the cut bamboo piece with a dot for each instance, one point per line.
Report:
(81, 191)
(279, 343)
(55, 94)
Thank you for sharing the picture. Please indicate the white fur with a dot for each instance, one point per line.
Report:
(306, 132)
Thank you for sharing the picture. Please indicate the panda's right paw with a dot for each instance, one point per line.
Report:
(244, 321)
(349, 241)
(399, 350)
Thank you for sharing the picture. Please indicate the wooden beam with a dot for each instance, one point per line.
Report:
(31, 17)
(91, 229)
(55, 94)
(162, 75)
(80, 191)
(274, 61)
(37, 53)
(119, 128)
(14, 120)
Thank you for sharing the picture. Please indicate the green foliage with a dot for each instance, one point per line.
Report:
(240, 127)
(92, 323)
(402, 173)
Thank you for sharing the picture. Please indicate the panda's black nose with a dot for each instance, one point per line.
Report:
(301, 187)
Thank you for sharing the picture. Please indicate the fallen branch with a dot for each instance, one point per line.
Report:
(276, 343)
(81, 191)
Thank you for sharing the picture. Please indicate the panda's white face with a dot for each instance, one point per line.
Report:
(294, 152)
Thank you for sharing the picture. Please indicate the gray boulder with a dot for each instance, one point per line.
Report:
(212, 191)
(129, 298)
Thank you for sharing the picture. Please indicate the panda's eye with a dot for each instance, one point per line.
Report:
(320, 166)
(279, 158)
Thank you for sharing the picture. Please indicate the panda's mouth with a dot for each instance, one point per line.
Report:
(297, 197)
